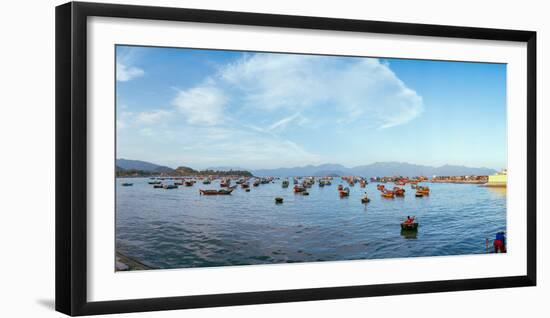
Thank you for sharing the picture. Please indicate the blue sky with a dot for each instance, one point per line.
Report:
(210, 108)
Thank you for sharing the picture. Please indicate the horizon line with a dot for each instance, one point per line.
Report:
(317, 165)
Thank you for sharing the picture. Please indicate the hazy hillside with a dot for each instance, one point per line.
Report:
(370, 170)
(125, 167)
(127, 164)
(376, 169)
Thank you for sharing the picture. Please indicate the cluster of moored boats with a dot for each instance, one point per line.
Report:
(400, 191)
(225, 184)
(301, 186)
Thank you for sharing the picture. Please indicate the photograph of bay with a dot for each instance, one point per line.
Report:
(229, 158)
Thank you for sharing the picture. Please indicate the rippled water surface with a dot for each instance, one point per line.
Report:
(179, 228)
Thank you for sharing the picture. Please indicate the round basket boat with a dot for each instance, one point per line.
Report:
(409, 226)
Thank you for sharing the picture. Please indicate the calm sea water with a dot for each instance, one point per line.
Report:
(179, 228)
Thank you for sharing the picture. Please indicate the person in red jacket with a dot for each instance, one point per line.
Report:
(409, 220)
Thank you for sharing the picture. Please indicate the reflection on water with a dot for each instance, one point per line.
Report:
(500, 191)
(409, 234)
(180, 228)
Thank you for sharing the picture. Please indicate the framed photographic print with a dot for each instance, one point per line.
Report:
(211, 158)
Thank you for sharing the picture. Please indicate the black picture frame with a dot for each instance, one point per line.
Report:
(71, 157)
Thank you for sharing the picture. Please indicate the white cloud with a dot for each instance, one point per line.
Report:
(283, 123)
(152, 117)
(235, 146)
(120, 124)
(147, 132)
(127, 119)
(124, 119)
(125, 73)
(359, 88)
(259, 110)
(203, 104)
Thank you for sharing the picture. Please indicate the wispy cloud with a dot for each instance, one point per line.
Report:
(152, 117)
(349, 89)
(127, 119)
(124, 119)
(283, 123)
(359, 87)
(227, 144)
(203, 104)
(126, 59)
(125, 73)
(147, 132)
(253, 111)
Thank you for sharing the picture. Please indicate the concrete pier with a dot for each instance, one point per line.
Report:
(125, 263)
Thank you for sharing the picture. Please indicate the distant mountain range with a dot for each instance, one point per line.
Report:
(225, 168)
(374, 169)
(125, 164)
(125, 168)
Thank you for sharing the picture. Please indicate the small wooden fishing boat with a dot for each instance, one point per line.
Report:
(206, 181)
(154, 182)
(399, 191)
(344, 192)
(299, 189)
(285, 184)
(245, 185)
(423, 190)
(189, 183)
(388, 194)
(418, 194)
(340, 187)
(170, 186)
(365, 199)
(409, 226)
(158, 186)
(381, 187)
(256, 183)
(126, 184)
(278, 200)
(216, 192)
(225, 183)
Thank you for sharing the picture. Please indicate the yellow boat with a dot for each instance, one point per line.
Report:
(388, 194)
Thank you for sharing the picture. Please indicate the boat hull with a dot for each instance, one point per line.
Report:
(409, 226)
(214, 192)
